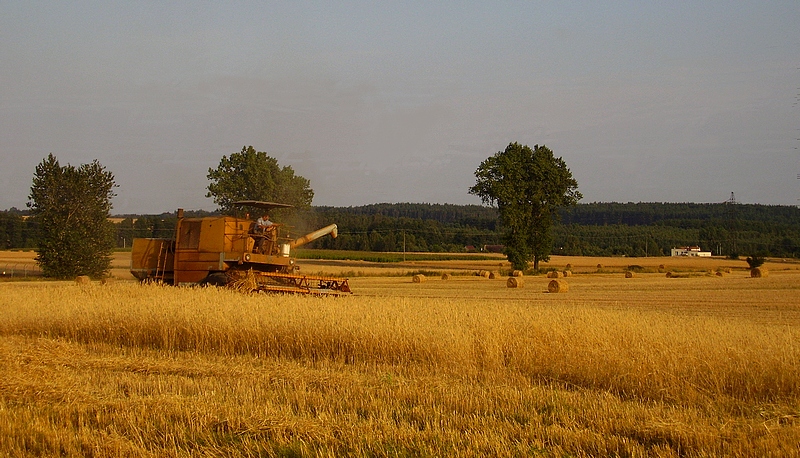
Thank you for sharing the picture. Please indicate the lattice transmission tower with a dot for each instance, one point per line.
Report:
(732, 225)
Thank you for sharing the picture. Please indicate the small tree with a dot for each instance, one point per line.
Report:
(528, 186)
(253, 175)
(71, 206)
(755, 261)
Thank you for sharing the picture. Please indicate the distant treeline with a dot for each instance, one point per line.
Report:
(408, 227)
(639, 229)
(594, 229)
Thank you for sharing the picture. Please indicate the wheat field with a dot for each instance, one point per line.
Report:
(698, 365)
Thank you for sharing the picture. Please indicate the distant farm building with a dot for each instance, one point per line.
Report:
(690, 251)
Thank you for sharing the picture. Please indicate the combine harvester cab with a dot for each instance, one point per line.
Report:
(227, 251)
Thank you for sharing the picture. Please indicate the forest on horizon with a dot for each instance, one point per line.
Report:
(591, 229)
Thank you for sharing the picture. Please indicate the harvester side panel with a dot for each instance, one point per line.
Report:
(188, 234)
(212, 235)
(237, 236)
(194, 266)
(215, 234)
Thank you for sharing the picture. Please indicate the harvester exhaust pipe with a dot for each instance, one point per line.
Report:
(310, 237)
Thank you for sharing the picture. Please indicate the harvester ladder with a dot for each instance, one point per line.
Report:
(161, 263)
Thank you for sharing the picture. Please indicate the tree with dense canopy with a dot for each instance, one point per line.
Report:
(253, 175)
(528, 186)
(70, 206)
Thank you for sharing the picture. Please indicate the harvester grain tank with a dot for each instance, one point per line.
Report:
(231, 251)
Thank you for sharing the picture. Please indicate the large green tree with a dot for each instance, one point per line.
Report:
(527, 186)
(253, 175)
(70, 206)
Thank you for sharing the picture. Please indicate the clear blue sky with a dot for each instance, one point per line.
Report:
(401, 101)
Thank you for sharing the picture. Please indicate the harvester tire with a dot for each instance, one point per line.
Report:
(215, 279)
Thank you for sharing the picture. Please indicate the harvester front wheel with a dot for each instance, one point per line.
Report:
(215, 279)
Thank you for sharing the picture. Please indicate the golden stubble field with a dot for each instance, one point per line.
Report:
(698, 365)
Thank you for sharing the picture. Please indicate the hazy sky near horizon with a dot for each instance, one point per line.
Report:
(401, 101)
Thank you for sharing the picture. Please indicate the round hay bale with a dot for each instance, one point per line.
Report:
(759, 272)
(555, 274)
(568, 267)
(82, 279)
(567, 273)
(661, 266)
(107, 281)
(557, 286)
(492, 275)
(599, 266)
(484, 273)
(728, 270)
(517, 273)
(719, 273)
(445, 276)
(670, 274)
(515, 282)
(628, 274)
(419, 278)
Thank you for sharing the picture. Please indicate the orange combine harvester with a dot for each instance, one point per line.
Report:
(231, 251)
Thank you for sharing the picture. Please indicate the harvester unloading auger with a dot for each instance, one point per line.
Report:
(230, 251)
